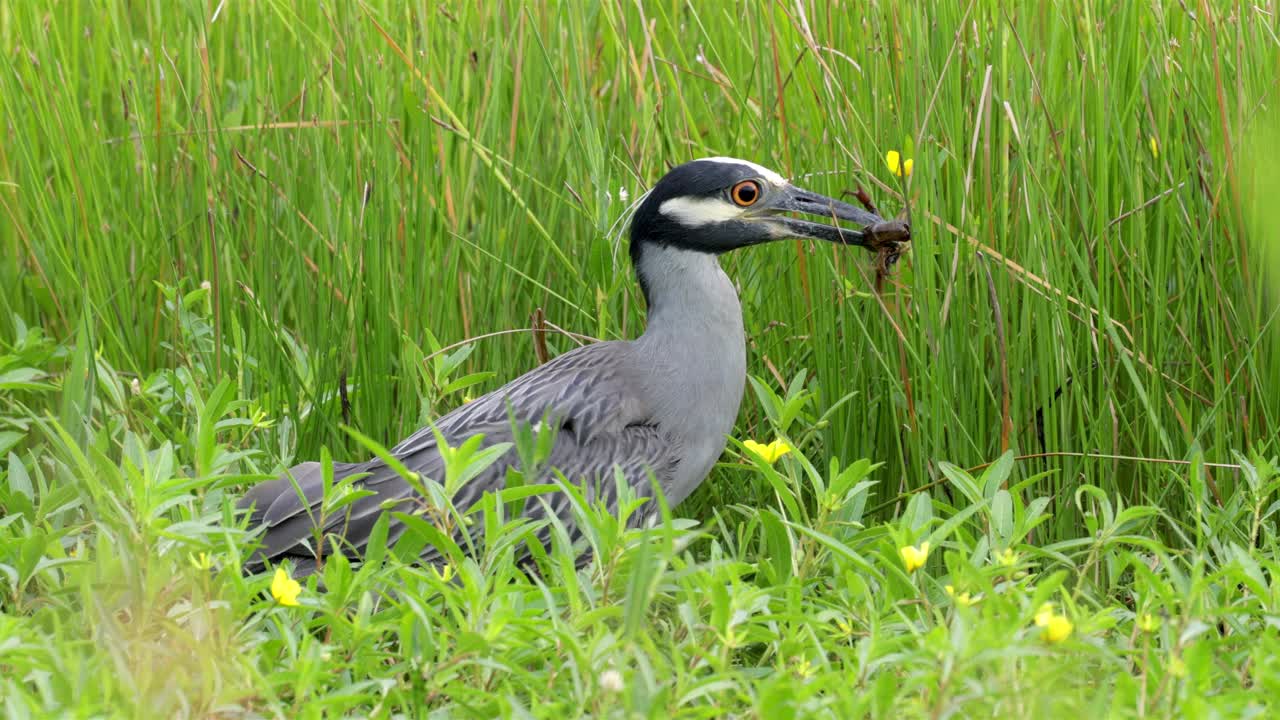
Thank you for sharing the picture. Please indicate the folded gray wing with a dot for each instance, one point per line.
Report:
(585, 397)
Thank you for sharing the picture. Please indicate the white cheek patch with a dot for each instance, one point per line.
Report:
(696, 212)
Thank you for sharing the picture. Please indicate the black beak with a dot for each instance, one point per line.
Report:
(875, 233)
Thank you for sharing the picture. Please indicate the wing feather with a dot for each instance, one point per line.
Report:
(585, 395)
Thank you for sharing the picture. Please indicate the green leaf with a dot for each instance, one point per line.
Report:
(77, 387)
(419, 535)
(8, 439)
(778, 544)
(23, 378)
(997, 475)
(919, 512)
(963, 481)
(466, 381)
(19, 480)
(1002, 516)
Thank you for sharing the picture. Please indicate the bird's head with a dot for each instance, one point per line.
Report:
(718, 204)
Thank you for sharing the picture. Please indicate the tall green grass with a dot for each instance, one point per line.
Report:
(353, 180)
(309, 201)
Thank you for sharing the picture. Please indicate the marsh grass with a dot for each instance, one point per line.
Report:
(230, 232)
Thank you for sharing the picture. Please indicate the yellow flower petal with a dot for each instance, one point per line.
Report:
(913, 557)
(1148, 623)
(768, 453)
(1058, 629)
(1155, 146)
(1044, 614)
(284, 588)
(963, 599)
(894, 161)
(898, 166)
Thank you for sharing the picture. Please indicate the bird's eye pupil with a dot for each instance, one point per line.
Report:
(746, 193)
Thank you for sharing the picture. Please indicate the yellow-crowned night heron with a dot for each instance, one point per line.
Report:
(661, 404)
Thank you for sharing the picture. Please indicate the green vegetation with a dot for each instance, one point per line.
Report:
(228, 231)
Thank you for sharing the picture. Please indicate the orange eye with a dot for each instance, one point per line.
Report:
(745, 193)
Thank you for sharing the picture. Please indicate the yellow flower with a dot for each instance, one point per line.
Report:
(1044, 615)
(768, 453)
(896, 165)
(1007, 557)
(913, 557)
(466, 398)
(201, 561)
(1155, 146)
(963, 599)
(1058, 629)
(1148, 623)
(284, 588)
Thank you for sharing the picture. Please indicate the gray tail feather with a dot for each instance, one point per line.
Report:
(287, 510)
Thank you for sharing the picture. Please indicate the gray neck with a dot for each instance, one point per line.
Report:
(694, 349)
(691, 300)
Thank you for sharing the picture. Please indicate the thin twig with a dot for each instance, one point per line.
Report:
(1105, 456)
(497, 333)
(1122, 216)
(283, 125)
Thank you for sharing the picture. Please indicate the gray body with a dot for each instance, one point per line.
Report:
(658, 407)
